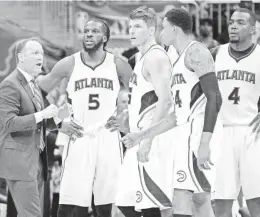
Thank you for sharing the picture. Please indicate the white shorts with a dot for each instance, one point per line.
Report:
(237, 165)
(186, 141)
(91, 165)
(150, 184)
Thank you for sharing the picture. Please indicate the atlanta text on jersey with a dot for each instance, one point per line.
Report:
(93, 83)
(236, 75)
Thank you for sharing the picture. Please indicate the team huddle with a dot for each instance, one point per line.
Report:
(191, 134)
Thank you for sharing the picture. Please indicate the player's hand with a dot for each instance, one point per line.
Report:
(143, 151)
(255, 124)
(72, 129)
(50, 112)
(131, 139)
(115, 123)
(203, 155)
(65, 111)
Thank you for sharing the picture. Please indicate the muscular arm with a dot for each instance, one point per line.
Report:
(199, 59)
(159, 69)
(124, 72)
(10, 109)
(60, 73)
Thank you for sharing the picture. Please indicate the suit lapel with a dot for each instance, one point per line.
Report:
(27, 87)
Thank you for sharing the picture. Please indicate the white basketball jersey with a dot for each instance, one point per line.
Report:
(143, 99)
(172, 53)
(189, 100)
(93, 91)
(239, 83)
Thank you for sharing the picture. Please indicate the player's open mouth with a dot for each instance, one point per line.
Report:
(38, 64)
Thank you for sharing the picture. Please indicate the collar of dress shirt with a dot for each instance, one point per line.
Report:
(27, 76)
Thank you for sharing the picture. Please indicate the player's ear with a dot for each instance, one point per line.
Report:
(253, 30)
(104, 39)
(152, 30)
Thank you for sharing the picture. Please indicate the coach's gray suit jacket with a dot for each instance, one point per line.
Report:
(19, 133)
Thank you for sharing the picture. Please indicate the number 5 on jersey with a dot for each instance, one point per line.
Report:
(234, 95)
(93, 103)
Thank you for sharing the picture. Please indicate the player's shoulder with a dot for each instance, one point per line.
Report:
(215, 50)
(197, 50)
(197, 46)
(157, 53)
(68, 61)
(257, 49)
(120, 61)
(122, 65)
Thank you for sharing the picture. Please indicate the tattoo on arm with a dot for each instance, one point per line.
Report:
(199, 59)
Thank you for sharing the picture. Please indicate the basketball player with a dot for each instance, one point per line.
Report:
(238, 71)
(197, 101)
(94, 80)
(140, 185)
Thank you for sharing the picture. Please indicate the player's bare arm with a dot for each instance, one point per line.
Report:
(159, 74)
(124, 72)
(60, 72)
(158, 68)
(199, 59)
(158, 128)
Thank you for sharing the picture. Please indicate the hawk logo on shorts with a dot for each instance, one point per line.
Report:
(139, 197)
(182, 176)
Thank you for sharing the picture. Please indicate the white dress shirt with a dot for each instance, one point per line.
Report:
(29, 78)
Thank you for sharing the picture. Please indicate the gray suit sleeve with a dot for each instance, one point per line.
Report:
(10, 110)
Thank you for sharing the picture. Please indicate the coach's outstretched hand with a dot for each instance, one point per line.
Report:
(65, 111)
(131, 139)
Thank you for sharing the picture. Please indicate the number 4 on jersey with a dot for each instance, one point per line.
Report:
(234, 95)
(178, 99)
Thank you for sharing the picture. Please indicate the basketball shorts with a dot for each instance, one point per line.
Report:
(91, 165)
(150, 184)
(237, 165)
(186, 141)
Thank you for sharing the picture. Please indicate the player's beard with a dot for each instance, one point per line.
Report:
(234, 41)
(94, 48)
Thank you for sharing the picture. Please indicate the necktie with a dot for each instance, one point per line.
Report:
(37, 95)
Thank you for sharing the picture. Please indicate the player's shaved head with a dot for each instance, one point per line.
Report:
(252, 17)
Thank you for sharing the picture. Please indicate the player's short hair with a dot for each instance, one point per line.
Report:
(21, 44)
(181, 18)
(252, 19)
(146, 14)
(105, 26)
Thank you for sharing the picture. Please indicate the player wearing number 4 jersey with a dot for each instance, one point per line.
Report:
(196, 131)
(238, 71)
(93, 79)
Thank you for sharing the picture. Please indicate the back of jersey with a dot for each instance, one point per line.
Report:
(239, 83)
(189, 99)
(93, 91)
(143, 98)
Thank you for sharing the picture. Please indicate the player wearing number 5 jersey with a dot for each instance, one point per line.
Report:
(238, 72)
(94, 79)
